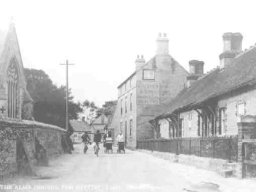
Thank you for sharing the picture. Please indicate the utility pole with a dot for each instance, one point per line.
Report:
(67, 64)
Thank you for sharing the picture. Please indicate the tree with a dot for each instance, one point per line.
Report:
(49, 100)
(108, 108)
(90, 111)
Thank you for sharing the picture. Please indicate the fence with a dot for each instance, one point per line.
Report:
(214, 147)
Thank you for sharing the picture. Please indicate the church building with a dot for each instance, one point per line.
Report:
(15, 101)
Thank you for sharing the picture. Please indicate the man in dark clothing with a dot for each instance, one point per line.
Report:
(86, 140)
(97, 140)
(85, 137)
(97, 137)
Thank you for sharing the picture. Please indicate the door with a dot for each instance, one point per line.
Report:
(125, 133)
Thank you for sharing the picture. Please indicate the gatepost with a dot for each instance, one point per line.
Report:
(246, 135)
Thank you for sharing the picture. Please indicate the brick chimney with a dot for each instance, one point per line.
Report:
(162, 44)
(196, 70)
(232, 46)
(140, 61)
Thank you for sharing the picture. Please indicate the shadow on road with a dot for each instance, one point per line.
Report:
(203, 187)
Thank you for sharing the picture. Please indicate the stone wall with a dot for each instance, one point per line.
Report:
(218, 165)
(18, 144)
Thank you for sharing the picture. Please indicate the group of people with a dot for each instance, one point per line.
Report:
(107, 141)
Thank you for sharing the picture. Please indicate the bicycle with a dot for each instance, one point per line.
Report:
(96, 149)
(86, 146)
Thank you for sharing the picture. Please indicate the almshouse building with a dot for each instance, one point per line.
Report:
(150, 85)
(213, 103)
(214, 117)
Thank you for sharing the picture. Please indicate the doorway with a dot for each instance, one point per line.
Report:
(125, 133)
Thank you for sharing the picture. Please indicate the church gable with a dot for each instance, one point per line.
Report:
(12, 79)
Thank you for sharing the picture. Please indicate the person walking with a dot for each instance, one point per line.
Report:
(97, 140)
(120, 142)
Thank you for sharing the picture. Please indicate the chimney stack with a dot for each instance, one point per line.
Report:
(196, 70)
(162, 44)
(140, 61)
(232, 46)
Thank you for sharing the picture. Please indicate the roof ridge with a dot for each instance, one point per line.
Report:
(246, 50)
(208, 73)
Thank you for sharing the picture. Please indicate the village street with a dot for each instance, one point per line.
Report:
(133, 171)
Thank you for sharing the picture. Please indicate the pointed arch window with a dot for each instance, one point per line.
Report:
(13, 92)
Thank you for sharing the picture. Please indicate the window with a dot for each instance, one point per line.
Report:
(131, 102)
(181, 128)
(222, 120)
(13, 90)
(240, 109)
(121, 126)
(125, 132)
(148, 74)
(131, 124)
(121, 106)
(125, 104)
(189, 120)
(190, 116)
(199, 124)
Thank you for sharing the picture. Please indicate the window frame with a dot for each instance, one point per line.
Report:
(131, 126)
(222, 121)
(131, 102)
(240, 103)
(149, 70)
(121, 107)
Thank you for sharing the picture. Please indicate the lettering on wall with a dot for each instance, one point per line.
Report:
(147, 93)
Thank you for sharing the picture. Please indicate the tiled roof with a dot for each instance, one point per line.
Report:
(241, 72)
(79, 126)
(147, 63)
(101, 120)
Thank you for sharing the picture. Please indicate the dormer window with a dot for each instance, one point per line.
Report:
(148, 74)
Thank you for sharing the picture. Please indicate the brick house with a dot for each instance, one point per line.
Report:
(140, 95)
(213, 103)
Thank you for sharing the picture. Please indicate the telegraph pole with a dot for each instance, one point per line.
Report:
(67, 64)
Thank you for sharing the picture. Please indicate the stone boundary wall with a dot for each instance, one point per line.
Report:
(218, 165)
(212, 147)
(22, 141)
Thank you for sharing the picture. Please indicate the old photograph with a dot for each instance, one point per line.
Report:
(127, 96)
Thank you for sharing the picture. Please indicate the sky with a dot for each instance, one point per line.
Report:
(103, 37)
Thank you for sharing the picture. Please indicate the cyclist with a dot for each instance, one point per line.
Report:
(86, 140)
(97, 140)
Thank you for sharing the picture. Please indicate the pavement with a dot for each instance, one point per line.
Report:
(132, 171)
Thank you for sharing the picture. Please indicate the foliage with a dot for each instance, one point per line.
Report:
(91, 111)
(49, 100)
(108, 108)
